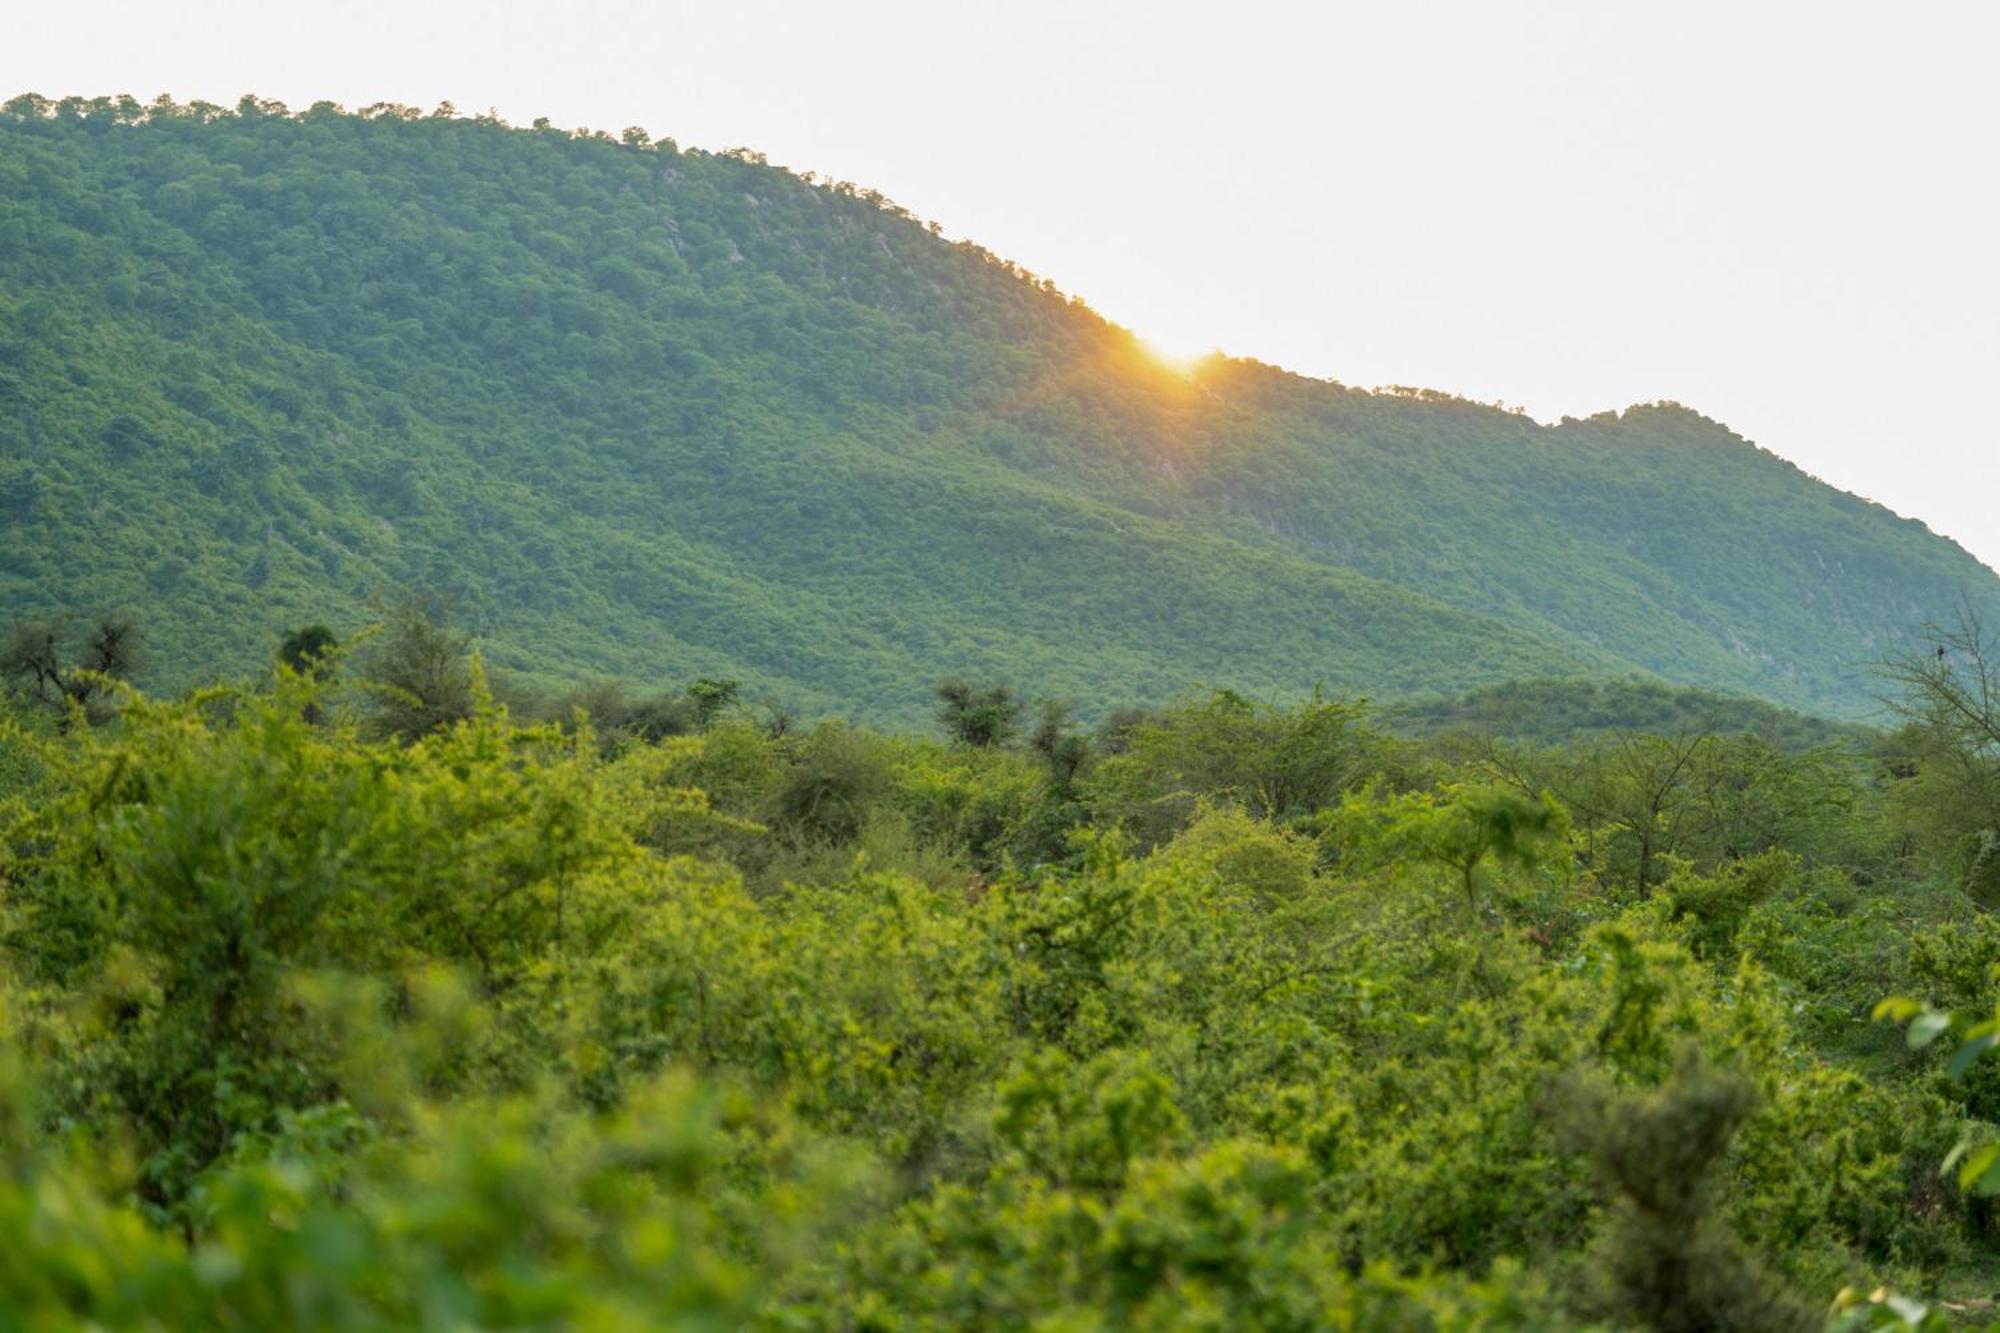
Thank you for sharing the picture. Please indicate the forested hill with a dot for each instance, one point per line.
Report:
(658, 413)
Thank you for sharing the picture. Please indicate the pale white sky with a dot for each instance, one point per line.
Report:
(1782, 214)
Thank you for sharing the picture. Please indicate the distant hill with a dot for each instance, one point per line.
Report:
(660, 413)
(1549, 712)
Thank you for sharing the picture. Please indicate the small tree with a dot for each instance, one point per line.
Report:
(308, 650)
(837, 778)
(419, 672)
(712, 698)
(1282, 764)
(1460, 830)
(1490, 824)
(1056, 740)
(39, 658)
(980, 717)
(1949, 701)
(1635, 787)
(1666, 1260)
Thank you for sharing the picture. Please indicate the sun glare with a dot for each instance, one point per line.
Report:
(1174, 355)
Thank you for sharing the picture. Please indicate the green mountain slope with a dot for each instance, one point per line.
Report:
(658, 413)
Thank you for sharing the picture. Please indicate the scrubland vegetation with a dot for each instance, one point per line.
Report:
(352, 997)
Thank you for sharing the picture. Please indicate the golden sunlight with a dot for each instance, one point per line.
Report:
(1174, 355)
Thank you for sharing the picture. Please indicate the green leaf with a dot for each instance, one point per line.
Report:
(1977, 1172)
(1910, 1312)
(1927, 1028)
(1897, 1009)
(1962, 1058)
(1951, 1158)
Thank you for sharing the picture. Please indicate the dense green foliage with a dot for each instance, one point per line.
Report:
(317, 1010)
(658, 413)
(1550, 712)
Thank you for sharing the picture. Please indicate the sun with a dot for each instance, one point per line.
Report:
(1175, 354)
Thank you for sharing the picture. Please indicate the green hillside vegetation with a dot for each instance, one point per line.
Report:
(349, 999)
(1550, 712)
(657, 414)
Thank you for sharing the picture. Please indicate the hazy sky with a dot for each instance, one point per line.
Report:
(1785, 215)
